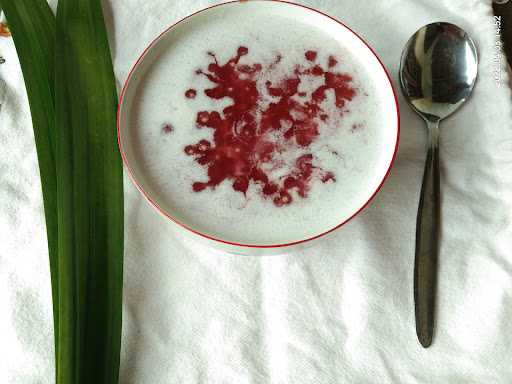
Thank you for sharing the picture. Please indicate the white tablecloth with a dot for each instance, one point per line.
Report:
(341, 312)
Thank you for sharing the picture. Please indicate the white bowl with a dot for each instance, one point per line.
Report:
(210, 25)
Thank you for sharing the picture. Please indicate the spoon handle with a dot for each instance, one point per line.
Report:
(427, 241)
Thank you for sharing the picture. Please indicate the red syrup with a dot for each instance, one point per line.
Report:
(190, 93)
(167, 128)
(242, 150)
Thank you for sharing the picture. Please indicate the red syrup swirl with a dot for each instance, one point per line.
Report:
(243, 150)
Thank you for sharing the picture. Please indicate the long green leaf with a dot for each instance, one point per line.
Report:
(32, 25)
(90, 198)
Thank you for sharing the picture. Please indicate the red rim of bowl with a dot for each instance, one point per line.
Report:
(169, 216)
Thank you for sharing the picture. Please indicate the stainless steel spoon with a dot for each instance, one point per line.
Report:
(438, 70)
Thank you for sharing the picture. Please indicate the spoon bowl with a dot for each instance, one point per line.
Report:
(438, 69)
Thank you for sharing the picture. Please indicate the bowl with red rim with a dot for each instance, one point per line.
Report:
(258, 126)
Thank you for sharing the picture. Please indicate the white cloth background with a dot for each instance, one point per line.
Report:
(341, 312)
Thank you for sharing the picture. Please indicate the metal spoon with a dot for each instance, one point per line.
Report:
(438, 70)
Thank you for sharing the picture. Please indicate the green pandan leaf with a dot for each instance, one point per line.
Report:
(90, 198)
(32, 25)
